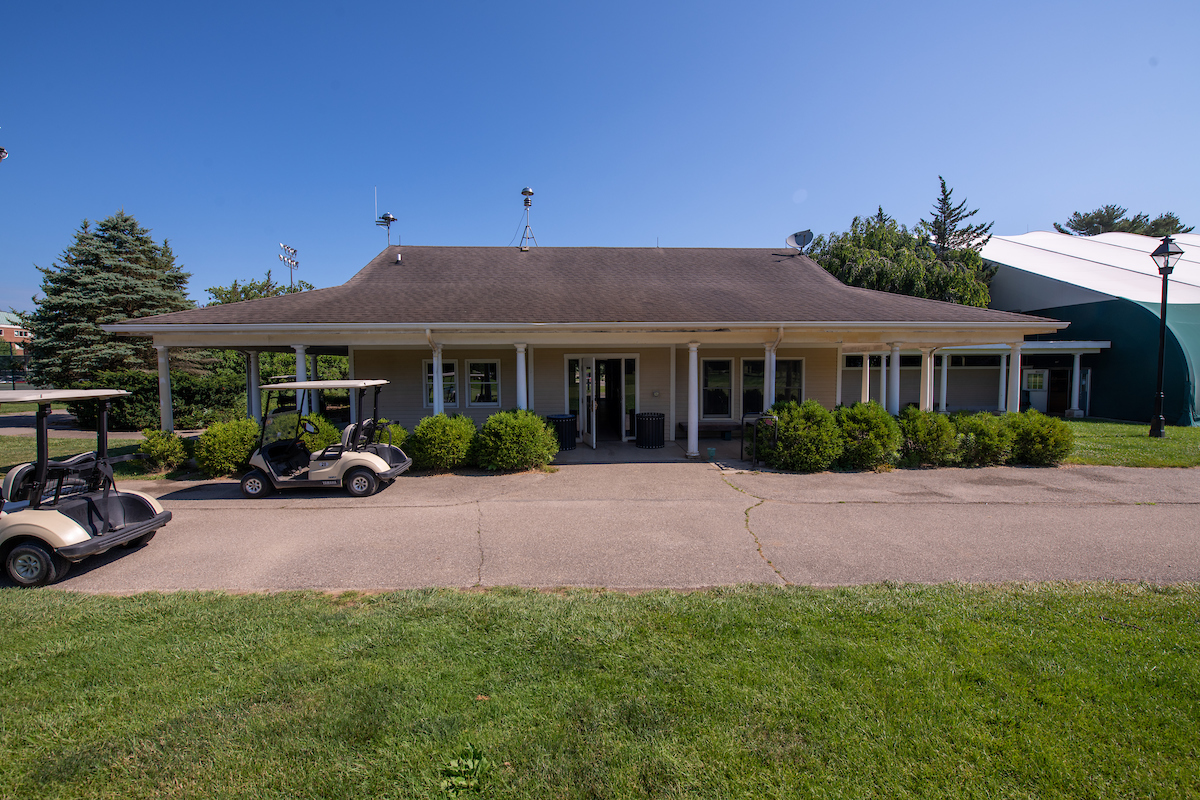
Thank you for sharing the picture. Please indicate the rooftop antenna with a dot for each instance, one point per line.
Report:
(288, 256)
(385, 220)
(528, 234)
(800, 240)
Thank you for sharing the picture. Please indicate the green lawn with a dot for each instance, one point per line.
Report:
(1127, 444)
(16, 450)
(27, 408)
(1035, 691)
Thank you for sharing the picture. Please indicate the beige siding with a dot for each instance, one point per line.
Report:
(968, 388)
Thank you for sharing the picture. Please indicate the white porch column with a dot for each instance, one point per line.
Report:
(1075, 410)
(255, 398)
(521, 387)
(864, 391)
(768, 377)
(1014, 378)
(166, 419)
(301, 397)
(883, 381)
(353, 394)
(693, 442)
(893, 394)
(439, 399)
(1003, 398)
(674, 404)
(926, 379)
(313, 397)
(837, 400)
(945, 374)
(530, 383)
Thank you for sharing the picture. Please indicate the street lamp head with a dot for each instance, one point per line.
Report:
(1165, 255)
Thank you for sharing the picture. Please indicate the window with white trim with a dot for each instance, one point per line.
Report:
(449, 383)
(716, 387)
(789, 380)
(483, 383)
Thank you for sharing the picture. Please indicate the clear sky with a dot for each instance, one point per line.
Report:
(228, 128)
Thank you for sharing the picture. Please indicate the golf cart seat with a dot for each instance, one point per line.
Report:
(287, 457)
(16, 483)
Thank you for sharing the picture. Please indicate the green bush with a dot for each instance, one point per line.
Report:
(927, 439)
(514, 440)
(982, 440)
(163, 451)
(196, 400)
(397, 432)
(870, 437)
(808, 438)
(1038, 440)
(226, 447)
(327, 433)
(441, 442)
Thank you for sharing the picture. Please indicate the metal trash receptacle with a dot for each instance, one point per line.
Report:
(650, 429)
(564, 428)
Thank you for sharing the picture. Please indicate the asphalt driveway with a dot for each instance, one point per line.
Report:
(676, 525)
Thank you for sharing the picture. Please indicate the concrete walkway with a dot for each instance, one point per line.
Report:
(671, 524)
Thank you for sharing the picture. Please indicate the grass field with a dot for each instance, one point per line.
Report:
(1124, 444)
(16, 450)
(891, 691)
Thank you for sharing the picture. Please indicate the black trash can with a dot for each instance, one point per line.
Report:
(650, 426)
(564, 428)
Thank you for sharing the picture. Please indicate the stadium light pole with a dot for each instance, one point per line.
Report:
(1165, 256)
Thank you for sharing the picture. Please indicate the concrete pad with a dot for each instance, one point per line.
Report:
(852, 543)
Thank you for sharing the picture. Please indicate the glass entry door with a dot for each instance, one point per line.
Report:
(587, 400)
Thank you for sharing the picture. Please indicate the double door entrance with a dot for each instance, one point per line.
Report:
(602, 394)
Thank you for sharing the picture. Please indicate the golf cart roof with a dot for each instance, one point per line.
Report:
(325, 385)
(47, 396)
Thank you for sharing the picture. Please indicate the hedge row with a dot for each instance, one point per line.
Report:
(864, 436)
(197, 400)
(509, 440)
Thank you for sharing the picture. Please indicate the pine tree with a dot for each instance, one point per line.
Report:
(111, 272)
(1112, 218)
(947, 230)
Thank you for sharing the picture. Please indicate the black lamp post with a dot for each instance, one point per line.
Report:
(1165, 256)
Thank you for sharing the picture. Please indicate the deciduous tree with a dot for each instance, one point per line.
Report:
(878, 253)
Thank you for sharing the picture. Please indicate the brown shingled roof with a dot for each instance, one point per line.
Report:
(502, 285)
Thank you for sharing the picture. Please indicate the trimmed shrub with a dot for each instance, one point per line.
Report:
(163, 451)
(514, 440)
(441, 442)
(327, 433)
(870, 437)
(398, 433)
(809, 439)
(1038, 440)
(226, 447)
(982, 440)
(928, 439)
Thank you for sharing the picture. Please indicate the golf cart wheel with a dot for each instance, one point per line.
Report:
(33, 564)
(256, 484)
(361, 482)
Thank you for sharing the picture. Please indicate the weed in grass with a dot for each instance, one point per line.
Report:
(465, 774)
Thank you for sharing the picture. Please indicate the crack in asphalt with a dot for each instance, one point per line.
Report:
(753, 535)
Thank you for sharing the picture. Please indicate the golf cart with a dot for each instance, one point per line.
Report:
(55, 512)
(361, 462)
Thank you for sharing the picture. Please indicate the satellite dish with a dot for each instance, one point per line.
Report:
(800, 240)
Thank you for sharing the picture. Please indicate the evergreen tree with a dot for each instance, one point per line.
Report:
(878, 253)
(948, 229)
(1112, 218)
(111, 272)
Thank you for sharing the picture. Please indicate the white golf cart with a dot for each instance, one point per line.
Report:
(55, 512)
(361, 462)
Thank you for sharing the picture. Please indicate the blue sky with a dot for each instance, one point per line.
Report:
(230, 127)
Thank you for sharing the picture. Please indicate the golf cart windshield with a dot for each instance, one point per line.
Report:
(281, 426)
